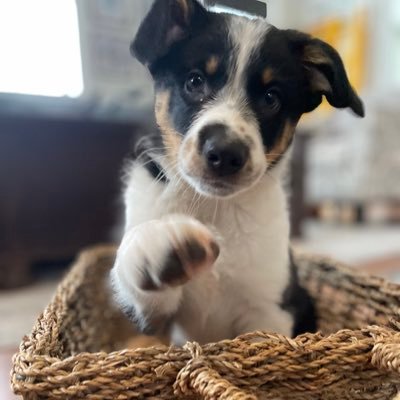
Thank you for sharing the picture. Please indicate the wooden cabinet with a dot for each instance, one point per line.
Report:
(59, 189)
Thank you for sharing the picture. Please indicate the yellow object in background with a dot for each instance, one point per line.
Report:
(348, 35)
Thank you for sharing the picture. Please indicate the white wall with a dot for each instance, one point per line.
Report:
(114, 81)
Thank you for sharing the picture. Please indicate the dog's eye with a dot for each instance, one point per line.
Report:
(195, 82)
(273, 100)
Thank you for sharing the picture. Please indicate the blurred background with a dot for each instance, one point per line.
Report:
(72, 99)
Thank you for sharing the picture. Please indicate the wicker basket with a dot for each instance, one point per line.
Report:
(74, 350)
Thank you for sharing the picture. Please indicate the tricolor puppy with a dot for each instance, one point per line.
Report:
(206, 255)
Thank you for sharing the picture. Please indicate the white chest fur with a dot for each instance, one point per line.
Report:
(245, 288)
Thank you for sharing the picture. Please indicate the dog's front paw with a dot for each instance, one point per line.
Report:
(165, 253)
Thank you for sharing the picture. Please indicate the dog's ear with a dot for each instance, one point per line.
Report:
(325, 72)
(168, 22)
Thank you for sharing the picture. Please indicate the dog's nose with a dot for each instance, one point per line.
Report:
(224, 155)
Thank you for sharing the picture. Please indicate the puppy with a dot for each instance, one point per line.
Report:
(205, 255)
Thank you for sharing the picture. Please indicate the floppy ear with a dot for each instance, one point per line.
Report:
(168, 22)
(326, 73)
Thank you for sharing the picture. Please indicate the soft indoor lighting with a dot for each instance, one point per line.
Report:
(39, 47)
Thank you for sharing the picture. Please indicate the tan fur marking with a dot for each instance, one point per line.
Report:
(212, 65)
(267, 76)
(171, 138)
(194, 162)
(185, 9)
(280, 147)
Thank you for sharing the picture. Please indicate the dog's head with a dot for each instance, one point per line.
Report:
(230, 90)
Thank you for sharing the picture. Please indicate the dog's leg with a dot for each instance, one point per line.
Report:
(154, 261)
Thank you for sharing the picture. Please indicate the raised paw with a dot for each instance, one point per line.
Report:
(166, 253)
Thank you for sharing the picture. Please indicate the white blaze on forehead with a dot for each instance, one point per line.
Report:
(230, 105)
(246, 36)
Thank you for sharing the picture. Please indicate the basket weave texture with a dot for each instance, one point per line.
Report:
(74, 350)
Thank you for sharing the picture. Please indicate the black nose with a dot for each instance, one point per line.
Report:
(225, 155)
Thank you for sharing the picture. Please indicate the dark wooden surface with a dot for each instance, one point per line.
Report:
(59, 189)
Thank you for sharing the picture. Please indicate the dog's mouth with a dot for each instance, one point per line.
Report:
(218, 187)
(215, 187)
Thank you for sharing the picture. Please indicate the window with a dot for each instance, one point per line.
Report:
(40, 49)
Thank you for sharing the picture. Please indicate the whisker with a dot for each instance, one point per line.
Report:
(191, 208)
(199, 203)
(215, 212)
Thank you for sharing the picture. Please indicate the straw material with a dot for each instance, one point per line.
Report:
(74, 350)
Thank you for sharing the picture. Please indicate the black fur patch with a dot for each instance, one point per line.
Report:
(287, 78)
(195, 251)
(298, 302)
(155, 170)
(147, 282)
(144, 150)
(172, 272)
(171, 72)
